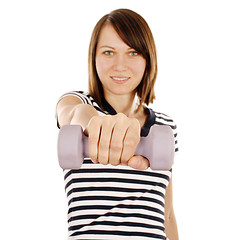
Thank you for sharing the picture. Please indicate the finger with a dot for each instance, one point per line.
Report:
(116, 144)
(131, 140)
(104, 141)
(94, 130)
(138, 162)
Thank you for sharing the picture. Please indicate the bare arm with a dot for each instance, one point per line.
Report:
(69, 108)
(170, 220)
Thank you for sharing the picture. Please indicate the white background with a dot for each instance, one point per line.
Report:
(43, 54)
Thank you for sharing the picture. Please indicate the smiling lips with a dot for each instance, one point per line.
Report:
(120, 80)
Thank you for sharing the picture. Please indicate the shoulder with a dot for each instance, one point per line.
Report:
(85, 97)
(164, 119)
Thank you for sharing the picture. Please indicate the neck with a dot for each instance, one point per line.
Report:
(123, 104)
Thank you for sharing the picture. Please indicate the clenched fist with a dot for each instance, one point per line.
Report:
(113, 139)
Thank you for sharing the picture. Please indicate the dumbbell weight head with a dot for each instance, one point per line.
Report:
(157, 147)
(70, 147)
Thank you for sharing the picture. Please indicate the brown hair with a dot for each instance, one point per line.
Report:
(135, 32)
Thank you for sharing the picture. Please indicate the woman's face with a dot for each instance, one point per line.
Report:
(119, 67)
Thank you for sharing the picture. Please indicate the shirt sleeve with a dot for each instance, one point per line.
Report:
(173, 125)
(84, 96)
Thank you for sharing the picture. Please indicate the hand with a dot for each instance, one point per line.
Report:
(113, 139)
(138, 162)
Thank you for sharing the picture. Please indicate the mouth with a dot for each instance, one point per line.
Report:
(120, 80)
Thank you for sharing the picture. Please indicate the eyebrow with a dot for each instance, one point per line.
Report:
(107, 46)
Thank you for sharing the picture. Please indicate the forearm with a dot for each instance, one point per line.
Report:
(83, 114)
(171, 226)
(79, 114)
(170, 220)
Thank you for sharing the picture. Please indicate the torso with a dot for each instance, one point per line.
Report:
(108, 202)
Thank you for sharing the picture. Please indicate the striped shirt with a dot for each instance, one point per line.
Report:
(117, 202)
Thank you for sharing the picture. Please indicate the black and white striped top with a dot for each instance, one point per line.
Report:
(117, 202)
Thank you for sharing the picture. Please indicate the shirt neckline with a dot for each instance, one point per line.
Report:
(146, 128)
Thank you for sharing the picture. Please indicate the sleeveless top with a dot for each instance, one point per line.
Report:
(117, 202)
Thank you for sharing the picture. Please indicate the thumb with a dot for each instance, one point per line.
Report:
(138, 162)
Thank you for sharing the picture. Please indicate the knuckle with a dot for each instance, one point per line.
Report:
(104, 144)
(95, 119)
(93, 156)
(124, 160)
(115, 163)
(121, 116)
(137, 139)
(106, 118)
(116, 146)
(130, 143)
(114, 157)
(102, 159)
(92, 139)
(94, 122)
(135, 122)
(107, 122)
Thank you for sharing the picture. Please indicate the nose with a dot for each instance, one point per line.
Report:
(120, 63)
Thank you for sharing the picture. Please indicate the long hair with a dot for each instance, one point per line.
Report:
(135, 32)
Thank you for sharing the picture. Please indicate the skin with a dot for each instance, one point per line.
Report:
(119, 134)
(116, 59)
(113, 138)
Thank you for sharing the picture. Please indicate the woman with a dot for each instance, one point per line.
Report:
(121, 197)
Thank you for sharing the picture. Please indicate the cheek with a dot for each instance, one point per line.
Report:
(101, 67)
(140, 67)
(98, 66)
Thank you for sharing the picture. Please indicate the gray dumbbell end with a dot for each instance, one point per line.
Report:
(70, 151)
(157, 147)
(160, 147)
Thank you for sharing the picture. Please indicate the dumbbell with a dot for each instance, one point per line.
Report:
(157, 147)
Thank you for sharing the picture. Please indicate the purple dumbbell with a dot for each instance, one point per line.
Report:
(157, 147)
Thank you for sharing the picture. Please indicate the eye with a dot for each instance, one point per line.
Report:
(133, 53)
(109, 53)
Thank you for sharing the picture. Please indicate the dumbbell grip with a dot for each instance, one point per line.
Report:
(157, 147)
(140, 150)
